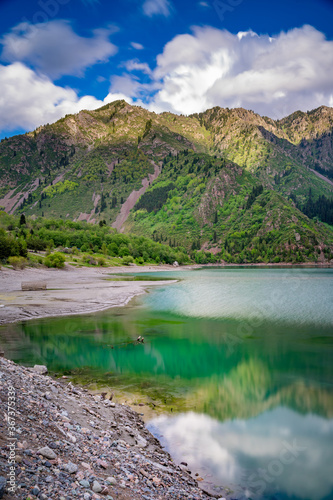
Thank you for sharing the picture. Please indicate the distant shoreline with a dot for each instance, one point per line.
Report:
(83, 290)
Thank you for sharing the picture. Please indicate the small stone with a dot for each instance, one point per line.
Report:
(47, 453)
(85, 465)
(41, 369)
(70, 467)
(86, 496)
(85, 483)
(79, 475)
(35, 491)
(96, 487)
(140, 441)
(43, 496)
(3, 482)
(111, 480)
(71, 437)
(102, 463)
(49, 479)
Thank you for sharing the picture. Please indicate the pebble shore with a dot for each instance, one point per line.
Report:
(70, 444)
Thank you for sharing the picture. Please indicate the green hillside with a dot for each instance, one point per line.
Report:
(228, 181)
(214, 205)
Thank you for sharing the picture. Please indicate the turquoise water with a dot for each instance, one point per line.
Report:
(237, 364)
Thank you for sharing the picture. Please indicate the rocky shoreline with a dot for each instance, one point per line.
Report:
(59, 442)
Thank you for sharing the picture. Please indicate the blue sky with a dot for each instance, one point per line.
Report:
(61, 56)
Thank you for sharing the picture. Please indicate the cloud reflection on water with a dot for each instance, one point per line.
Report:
(281, 449)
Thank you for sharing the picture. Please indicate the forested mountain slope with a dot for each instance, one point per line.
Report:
(228, 180)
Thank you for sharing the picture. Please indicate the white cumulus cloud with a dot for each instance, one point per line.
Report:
(271, 75)
(55, 49)
(274, 76)
(28, 100)
(156, 7)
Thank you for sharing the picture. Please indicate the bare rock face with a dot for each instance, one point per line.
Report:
(41, 369)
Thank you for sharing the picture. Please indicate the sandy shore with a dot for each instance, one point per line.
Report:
(69, 291)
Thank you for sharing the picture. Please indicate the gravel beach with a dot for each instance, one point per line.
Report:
(59, 442)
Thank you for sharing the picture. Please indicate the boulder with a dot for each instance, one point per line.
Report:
(33, 286)
(41, 369)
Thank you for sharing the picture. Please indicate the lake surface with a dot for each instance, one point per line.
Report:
(237, 366)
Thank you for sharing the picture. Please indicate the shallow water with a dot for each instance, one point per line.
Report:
(239, 361)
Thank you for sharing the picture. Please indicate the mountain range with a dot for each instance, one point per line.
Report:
(228, 181)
